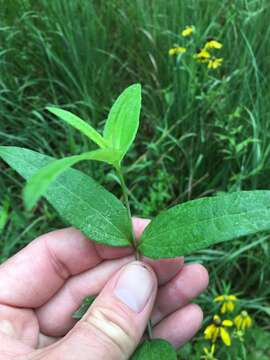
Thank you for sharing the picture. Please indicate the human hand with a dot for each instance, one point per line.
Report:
(43, 284)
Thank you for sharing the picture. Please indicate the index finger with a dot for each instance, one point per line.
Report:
(37, 272)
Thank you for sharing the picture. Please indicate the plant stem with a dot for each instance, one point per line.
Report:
(126, 201)
(149, 329)
(137, 254)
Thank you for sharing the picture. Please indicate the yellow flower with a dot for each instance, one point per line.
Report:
(227, 301)
(213, 44)
(177, 50)
(218, 328)
(209, 354)
(202, 55)
(214, 63)
(243, 321)
(188, 30)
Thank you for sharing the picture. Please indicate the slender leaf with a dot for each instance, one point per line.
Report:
(155, 349)
(38, 184)
(79, 200)
(4, 214)
(200, 223)
(123, 120)
(79, 124)
(87, 302)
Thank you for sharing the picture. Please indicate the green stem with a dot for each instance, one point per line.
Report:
(126, 201)
(149, 329)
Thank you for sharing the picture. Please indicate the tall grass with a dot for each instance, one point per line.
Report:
(201, 132)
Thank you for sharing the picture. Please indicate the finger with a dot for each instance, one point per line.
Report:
(55, 316)
(165, 269)
(115, 323)
(181, 326)
(49, 260)
(139, 225)
(184, 287)
(32, 276)
(11, 348)
(110, 252)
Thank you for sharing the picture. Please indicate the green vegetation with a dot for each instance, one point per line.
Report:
(202, 131)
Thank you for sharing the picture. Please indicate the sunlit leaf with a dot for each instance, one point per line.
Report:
(79, 200)
(38, 184)
(79, 124)
(198, 224)
(123, 120)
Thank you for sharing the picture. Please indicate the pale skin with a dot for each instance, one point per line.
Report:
(43, 284)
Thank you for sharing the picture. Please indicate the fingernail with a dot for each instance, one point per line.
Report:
(134, 286)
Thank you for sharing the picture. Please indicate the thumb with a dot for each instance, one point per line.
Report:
(115, 323)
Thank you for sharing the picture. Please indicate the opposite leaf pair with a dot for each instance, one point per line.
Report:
(86, 205)
(119, 133)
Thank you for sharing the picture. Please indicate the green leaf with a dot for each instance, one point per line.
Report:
(79, 124)
(155, 349)
(123, 120)
(38, 184)
(79, 200)
(200, 223)
(87, 302)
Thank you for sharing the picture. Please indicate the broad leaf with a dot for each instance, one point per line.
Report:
(200, 223)
(155, 349)
(123, 120)
(87, 302)
(77, 197)
(79, 124)
(38, 184)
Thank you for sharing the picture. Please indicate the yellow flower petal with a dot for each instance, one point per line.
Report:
(209, 331)
(249, 321)
(180, 50)
(223, 308)
(177, 50)
(213, 44)
(230, 306)
(219, 298)
(203, 54)
(187, 31)
(225, 336)
(227, 323)
(210, 64)
(246, 323)
(215, 334)
(215, 63)
(238, 321)
(232, 297)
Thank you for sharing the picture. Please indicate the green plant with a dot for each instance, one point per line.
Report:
(102, 217)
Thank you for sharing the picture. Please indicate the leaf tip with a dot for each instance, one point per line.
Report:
(136, 86)
(51, 108)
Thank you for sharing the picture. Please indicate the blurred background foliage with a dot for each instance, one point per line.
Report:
(201, 132)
